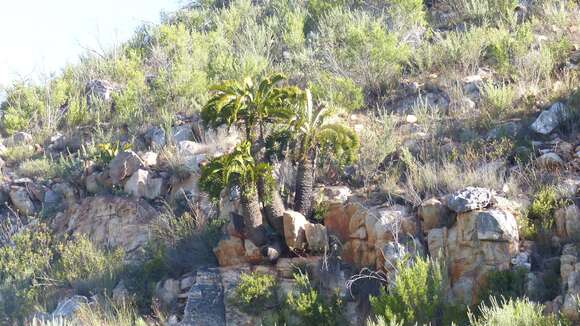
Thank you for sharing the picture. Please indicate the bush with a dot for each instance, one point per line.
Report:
(509, 284)
(483, 11)
(255, 292)
(339, 92)
(310, 307)
(513, 312)
(416, 296)
(18, 153)
(23, 102)
(498, 100)
(22, 265)
(41, 167)
(87, 268)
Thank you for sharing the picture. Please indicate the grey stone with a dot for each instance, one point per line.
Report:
(550, 160)
(182, 133)
(496, 225)
(124, 165)
(468, 199)
(21, 200)
(155, 137)
(205, 302)
(67, 307)
(316, 237)
(141, 184)
(550, 119)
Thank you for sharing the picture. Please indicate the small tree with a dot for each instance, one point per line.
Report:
(316, 135)
(254, 107)
(238, 169)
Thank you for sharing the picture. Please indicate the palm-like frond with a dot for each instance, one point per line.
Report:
(237, 168)
(250, 104)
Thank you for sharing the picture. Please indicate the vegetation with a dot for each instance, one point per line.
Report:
(255, 291)
(512, 312)
(508, 284)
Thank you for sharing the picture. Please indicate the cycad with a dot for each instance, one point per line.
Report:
(254, 107)
(315, 135)
(238, 169)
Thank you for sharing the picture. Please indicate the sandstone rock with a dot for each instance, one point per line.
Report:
(391, 253)
(359, 253)
(155, 137)
(437, 242)
(468, 199)
(182, 133)
(124, 165)
(67, 307)
(205, 302)
(496, 225)
(335, 194)
(253, 254)
(230, 251)
(140, 184)
(570, 309)
(68, 193)
(99, 90)
(433, 214)
(19, 138)
(508, 129)
(337, 220)
(149, 159)
(21, 200)
(92, 184)
(112, 221)
(550, 160)
(316, 237)
(294, 232)
(522, 260)
(167, 291)
(550, 119)
(568, 222)
(479, 242)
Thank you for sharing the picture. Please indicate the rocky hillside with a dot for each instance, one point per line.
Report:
(302, 163)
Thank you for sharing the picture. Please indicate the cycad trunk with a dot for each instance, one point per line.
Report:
(274, 208)
(253, 221)
(304, 187)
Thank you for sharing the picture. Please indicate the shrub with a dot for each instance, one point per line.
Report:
(509, 284)
(339, 92)
(457, 49)
(18, 153)
(310, 307)
(544, 204)
(23, 102)
(416, 296)
(87, 268)
(254, 292)
(516, 312)
(22, 265)
(483, 11)
(498, 99)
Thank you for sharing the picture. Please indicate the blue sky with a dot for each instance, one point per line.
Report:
(38, 37)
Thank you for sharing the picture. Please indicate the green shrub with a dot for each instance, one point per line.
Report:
(86, 267)
(255, 291)
(18, 153)
(339, 92)
(483, 11)
(310, 307)
(509, 284)
(41, 167)
(513, 312)
(416, 296)
(22, 267)
(543, 206)
(23, 102)
(498, 99)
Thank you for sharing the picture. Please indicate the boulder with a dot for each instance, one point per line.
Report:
(434, 214)
(140, 184)
(99, 90)
(479, 242)
(155, 137)
(124, 165)
(469, 199)
(550, 160)
(149, 159)
(252, 252)
(294, 230)
(359, 253)
(316, 237)
(22, 201)
(66, 308)
(568, 222)
(550, 119)
(167, 291)
(230, 251)
(19, 138)
(112, 221)
(337, 220)
(182, 133)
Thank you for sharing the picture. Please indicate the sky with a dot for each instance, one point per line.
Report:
(39, 37)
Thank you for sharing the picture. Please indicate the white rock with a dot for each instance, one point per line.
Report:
(549, 119)
(294, 232)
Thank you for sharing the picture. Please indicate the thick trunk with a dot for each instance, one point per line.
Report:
(304, 187)
(273, 206)
(253, 221)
